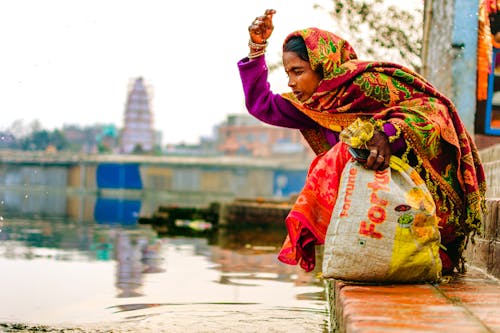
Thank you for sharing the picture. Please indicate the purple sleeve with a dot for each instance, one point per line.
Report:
(271, 108)
(399, 145)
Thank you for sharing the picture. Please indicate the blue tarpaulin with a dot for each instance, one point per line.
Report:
(120, 176)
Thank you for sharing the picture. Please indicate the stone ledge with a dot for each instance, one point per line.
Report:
(468, 303)
(492, 176)
(484, 253)
(490, 153)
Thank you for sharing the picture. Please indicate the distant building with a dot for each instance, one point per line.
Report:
(91, 139)
(138, 134)
(242, 134)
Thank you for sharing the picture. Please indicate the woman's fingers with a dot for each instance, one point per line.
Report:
(268, 17)
(372, 160)
(377, 160)
(380, 152)
(270, 12)
(262, 27)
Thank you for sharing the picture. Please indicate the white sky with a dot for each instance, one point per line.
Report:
(70, 62)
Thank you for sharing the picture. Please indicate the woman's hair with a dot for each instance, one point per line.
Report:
(296, 45)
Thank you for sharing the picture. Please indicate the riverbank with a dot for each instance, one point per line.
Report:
(200, 318)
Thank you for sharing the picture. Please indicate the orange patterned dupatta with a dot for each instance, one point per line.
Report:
(438, 145)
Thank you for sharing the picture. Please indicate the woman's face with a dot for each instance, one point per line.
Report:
(301, 77)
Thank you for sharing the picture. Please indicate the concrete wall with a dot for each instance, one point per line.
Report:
(450, 52)
(436, 55)
(230, 179)
(464, 68)
(32, 175)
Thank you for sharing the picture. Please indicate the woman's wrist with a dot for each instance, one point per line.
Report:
(256, 49)
(393, 133)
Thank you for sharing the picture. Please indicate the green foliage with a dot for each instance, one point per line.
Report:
(42, 139)
(58, 139)
(379, 31)
(138, 149)
(103, 149)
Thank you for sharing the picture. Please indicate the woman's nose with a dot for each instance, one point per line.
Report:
(291, 82)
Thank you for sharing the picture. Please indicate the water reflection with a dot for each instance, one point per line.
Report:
(239, 254)
(135, 255)
(143, 271)
(119, 207)
(121, 211)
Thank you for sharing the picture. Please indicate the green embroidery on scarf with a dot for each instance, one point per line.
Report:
(373, 86)
(426, 133)
(333, 47)
(406, 77)
(377, 86)
(401, 87)
(448, 175)
(332, 67)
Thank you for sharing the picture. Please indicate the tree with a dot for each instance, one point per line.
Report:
(58, 139)
(380, 31)
(41, 139)
(138, 149)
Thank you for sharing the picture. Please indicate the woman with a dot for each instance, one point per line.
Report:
(404, 114)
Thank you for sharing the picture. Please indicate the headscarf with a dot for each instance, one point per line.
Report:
(437, 140)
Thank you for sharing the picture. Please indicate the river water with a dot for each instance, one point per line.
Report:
(59, 274)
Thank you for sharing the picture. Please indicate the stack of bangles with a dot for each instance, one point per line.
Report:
(256, 50)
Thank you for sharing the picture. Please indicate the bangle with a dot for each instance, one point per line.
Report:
(256, 54)
(256, 49)
(379, 125)
(257, 45)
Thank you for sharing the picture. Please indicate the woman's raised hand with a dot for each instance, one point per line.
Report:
(262, 27)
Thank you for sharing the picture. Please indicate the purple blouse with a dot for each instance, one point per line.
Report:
(273, 109)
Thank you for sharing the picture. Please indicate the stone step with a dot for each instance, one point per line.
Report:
(484, 253)
(492, 174)
(490, 154)
(490, 158)
(467, 303)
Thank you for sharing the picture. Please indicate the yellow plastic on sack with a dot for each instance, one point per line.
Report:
(383, 227)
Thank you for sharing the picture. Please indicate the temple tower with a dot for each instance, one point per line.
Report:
(138, 134)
